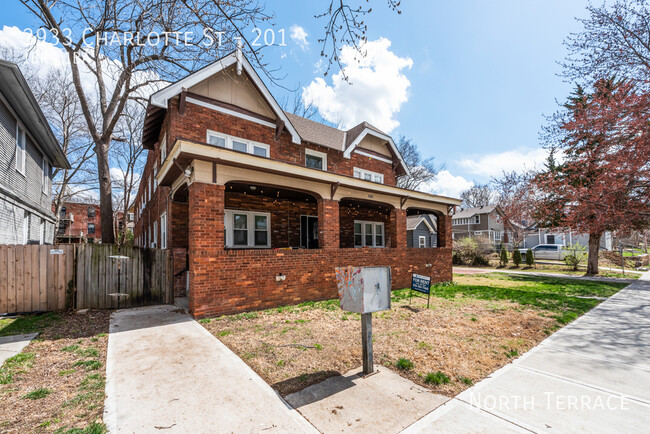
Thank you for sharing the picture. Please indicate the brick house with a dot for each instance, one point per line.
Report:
(259, 205)
(79, 222)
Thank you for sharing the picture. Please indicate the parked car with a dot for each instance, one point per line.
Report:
(547, 251)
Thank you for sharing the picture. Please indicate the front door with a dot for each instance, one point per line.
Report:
(308, 232)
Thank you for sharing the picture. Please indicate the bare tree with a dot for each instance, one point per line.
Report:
(128, 155)
(515, 192)
(477, 195)
(422, 170)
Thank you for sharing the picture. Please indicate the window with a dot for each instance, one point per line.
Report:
(154, 240)
(150, 187)
(497, 236)
(422, 242)
(62, 213)
(248, 229)
(91, 228)
(46, 175)
(474, 220)
(155, 181)
(163, 231)
(25, 228)
(315, 159)
(129, 216)
(367, 175)
(41, 232)
(368, 234)
(163, 149)
(237, 144)
(20, 148)
(91, 212)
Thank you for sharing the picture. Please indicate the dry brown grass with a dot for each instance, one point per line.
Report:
(77, 392)
(461, 337)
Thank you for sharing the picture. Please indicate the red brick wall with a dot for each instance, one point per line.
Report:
(81, 220)
(178, 221)
(328, 224)
(193, 125)
(285, 215)
(242, 280)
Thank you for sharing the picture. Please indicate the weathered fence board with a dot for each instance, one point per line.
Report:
(36, 278)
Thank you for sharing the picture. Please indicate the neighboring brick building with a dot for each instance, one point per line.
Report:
(79, 222)
(28, 151)
(259, 205)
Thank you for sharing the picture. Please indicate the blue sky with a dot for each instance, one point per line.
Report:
(468, 81)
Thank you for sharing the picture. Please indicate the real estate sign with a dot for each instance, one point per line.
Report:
(421, 283)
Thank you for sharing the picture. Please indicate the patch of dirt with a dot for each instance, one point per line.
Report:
(466, 339)
(74, 394)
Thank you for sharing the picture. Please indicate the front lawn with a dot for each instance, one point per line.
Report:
(471, 329)
(57, 382)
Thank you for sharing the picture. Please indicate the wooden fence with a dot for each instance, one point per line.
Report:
(55, 277)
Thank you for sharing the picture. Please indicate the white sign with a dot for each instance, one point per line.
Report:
(56, 251)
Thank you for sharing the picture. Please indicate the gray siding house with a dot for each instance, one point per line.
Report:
(486, 221)
(421, 231)
(28, 151)
(564, 238)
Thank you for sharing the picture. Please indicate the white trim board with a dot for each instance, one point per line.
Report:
(348, 152)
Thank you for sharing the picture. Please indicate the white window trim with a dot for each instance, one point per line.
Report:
(229, 143)
(163, 230)
(154, 239)
(363, 172)
(155, 181)
(21, 153)
(317, 154)
(250, 227)
(422, 241)
(374, 233)
(45, 167)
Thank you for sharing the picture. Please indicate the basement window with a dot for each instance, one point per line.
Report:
(246, 229)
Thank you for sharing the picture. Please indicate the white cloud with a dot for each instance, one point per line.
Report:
(447, 184)
(299, 36)
(376, 90)
(495, 164)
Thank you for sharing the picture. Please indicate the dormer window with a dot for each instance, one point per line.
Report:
(315, 159)
(237, 144)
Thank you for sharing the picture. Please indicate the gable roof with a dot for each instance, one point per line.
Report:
(412, 222)
(20, 98)
(160, 98)
(471, 212)
(317, 133)
(355, 135)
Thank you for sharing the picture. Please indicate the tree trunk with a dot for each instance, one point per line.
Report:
(105, 194)
(592, 259)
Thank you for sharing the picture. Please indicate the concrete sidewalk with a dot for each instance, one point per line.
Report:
(469, 270)
(167, 373)
(12, 345)
(591, 376)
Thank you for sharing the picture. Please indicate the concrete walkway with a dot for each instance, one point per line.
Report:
(12, 345)
(166, 373)
(591, 376)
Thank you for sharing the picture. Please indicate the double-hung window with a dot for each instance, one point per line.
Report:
(163, 149)
(21, 141)
(367, 175)
(235, 143)
(163, 231)
(248, 229)
(46, 175)
(155, 235)
(422, 242)
(368, 234)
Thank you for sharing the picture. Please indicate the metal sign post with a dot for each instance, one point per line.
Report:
(366, 343)
(119, 275)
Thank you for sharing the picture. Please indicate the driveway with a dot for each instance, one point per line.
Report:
(591, 376)
(166, 373)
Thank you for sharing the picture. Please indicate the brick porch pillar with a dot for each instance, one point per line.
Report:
(206, 238)
(444, 231)
(328, 224)
(397, 231)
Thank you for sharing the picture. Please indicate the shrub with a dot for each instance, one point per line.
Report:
(503, 259)
(404, 364)
(516, 257)
(481, 261)
(456, 258)
(574, 255)
(436, 378)
(530, 258)
(468, 251)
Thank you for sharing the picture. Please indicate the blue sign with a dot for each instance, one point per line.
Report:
(421, 283)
